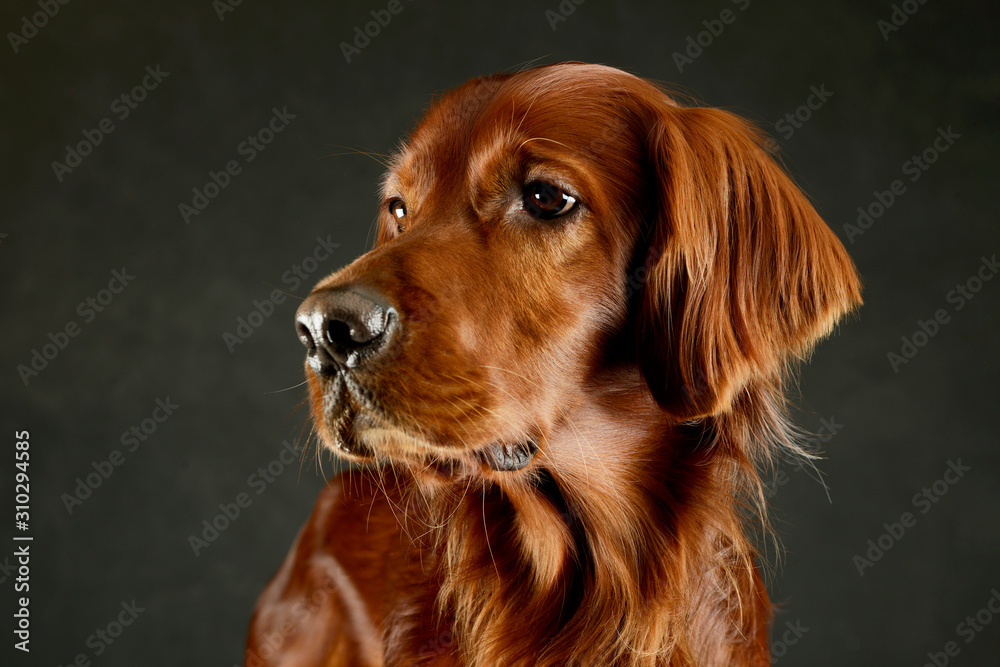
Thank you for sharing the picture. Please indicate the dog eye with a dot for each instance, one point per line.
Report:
(397, 209)
(546, 201)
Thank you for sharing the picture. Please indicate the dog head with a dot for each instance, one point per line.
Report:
(546, 237)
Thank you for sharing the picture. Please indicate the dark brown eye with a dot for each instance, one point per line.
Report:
(397, 209)
(546, 201)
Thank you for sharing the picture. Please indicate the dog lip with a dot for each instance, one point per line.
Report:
(355, 409)
(507, 457)
(354, 448)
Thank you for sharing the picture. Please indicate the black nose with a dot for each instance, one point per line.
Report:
(344, 329)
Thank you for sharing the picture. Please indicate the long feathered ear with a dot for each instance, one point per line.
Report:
(746, 275)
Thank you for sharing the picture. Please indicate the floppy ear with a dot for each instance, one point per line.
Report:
(745, 275)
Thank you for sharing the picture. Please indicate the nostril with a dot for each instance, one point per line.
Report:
(341, 335)
(343, 329)
(350, 337)
(305, 336)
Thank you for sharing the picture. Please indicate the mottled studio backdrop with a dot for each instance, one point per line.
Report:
(176, 175)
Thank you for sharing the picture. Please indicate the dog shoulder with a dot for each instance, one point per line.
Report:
(326, 604)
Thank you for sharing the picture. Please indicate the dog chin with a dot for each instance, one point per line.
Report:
(364, 439)
(360, 437)
(394, 443)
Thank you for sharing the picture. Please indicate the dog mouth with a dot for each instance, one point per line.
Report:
(505, 457)
(362, 430)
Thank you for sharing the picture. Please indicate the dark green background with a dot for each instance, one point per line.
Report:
(163, 335)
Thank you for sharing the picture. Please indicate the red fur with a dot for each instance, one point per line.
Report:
(642, 341)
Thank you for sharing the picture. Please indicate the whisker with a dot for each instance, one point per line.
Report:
(294, 386)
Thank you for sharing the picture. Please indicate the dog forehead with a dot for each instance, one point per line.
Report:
(569, 110)
(441, 139)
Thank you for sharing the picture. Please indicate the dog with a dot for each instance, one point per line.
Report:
(561, 373)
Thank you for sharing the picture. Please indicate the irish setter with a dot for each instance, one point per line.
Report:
(561, 373)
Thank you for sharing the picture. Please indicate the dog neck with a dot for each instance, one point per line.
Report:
(594, 533)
